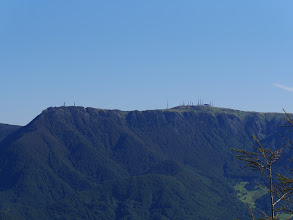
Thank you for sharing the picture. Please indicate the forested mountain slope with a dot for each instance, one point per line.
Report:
(86, 163)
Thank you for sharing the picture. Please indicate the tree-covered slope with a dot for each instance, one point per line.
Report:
(86, 163)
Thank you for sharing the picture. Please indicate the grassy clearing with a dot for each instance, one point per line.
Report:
(247, 196)
(284, 216)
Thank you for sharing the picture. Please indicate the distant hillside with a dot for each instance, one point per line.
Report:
(86, 163)
(6, 129)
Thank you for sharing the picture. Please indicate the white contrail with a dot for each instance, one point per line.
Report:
(289, 89)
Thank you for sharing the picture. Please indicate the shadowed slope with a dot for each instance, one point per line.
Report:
(6, 130)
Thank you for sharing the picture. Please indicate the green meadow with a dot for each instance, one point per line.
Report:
(250, 196)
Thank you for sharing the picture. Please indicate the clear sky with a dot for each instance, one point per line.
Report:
(134, 54)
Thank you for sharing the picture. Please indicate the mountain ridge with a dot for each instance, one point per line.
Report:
(6, 129)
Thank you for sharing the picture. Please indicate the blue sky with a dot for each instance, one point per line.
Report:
(138, 54)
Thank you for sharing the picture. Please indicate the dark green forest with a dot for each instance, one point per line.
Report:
(87, 163)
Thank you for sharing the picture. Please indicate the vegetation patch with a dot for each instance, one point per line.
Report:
(249, 196)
